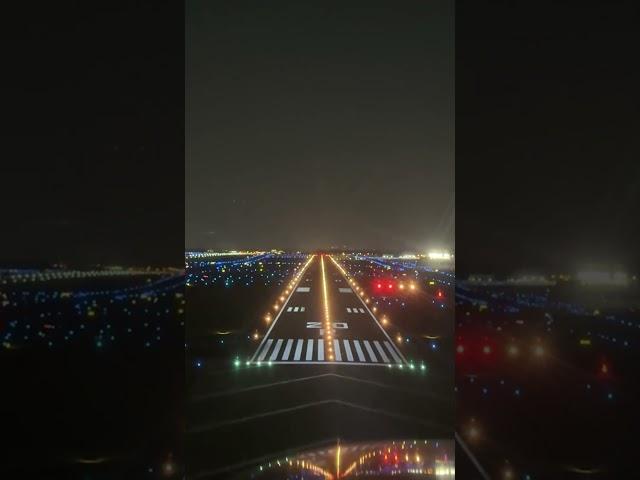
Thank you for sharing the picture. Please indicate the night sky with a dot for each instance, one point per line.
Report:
(318, 124)
(93, 146)
(547, 148)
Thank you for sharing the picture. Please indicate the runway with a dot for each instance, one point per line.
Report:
(324, 321)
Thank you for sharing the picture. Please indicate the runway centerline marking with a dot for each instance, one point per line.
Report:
(328, 330)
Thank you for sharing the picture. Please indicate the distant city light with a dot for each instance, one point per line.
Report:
(439, 255)
(601, 278)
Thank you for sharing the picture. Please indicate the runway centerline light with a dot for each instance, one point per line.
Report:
(326, 305)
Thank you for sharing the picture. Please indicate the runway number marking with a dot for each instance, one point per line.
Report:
(336, 325)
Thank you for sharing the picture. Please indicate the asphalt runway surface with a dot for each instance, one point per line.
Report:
(324, 321)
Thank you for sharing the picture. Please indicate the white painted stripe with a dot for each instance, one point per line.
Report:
(289, 309)
(330, 362)
(302, 289)
(320, 350)
(274, 354)
(361, 310)
(381, 351)
(296, 355)
(302, 309)
(265, 349)
(347, 349)
(287, 349)
(348, 310)
(370, 351)
(392, 350)
(345, 290)
(296, 309)
(273, 324)
(309, 349)
(336, 348)
(359, 351)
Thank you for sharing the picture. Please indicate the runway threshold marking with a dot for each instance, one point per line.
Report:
(313, 351)
(336, 348)
(356, 344)
(287, 349)
(265, 350)
(347, 349)
(273, 324)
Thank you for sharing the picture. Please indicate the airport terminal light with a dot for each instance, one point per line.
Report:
(601, 278)
(439, 255)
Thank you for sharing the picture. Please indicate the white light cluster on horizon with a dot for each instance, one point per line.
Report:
(439, 255)
(592, 277)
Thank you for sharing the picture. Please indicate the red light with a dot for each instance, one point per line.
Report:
(439, 294)
(390, 286)
(379, 285)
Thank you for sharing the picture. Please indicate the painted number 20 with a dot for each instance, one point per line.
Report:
(336, 325)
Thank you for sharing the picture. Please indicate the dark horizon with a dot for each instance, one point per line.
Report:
(325, 124)
(315, 124)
